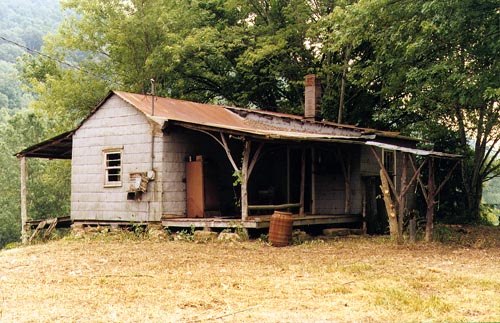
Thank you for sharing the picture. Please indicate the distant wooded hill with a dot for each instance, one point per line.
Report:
(24, 22)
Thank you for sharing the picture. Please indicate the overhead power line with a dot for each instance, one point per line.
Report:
(31, 50)
(37, 52)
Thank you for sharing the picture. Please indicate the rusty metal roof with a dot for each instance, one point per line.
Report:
(186, 111)
(59, 147)
(415, 151)
(221, 118)
(210, 116)
(392, 134)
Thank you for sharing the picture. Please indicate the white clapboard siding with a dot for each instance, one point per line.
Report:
(115, 125)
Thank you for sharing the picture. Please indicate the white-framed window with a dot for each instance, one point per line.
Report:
(389, 161)
(112, 167)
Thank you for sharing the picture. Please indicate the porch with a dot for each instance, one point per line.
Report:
(261, 221)
(252, 222)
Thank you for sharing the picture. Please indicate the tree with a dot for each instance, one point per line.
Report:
(48, 181)
(246, 53)
(430, 61)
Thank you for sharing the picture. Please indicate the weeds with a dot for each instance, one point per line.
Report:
(186, 235)
(442, 234)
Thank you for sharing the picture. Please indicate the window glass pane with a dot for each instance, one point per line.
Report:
(113, 159)
(113, 167)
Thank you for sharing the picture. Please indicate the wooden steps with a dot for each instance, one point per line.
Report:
(51, 223)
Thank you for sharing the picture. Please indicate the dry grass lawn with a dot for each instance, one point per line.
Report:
(351, 279)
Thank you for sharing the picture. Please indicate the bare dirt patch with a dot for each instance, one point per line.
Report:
(116, 279)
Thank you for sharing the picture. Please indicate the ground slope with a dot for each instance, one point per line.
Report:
(118, 279)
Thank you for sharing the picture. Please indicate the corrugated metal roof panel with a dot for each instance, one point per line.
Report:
(414, 151)
(166, 109)
(215, 117)
(192, 112)
(270, 133)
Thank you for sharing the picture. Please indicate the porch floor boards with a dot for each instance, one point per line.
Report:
(252, 222)
(260, 221)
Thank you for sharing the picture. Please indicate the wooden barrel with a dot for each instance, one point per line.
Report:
(280, 229)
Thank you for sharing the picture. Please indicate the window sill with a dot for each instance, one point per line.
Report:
(113, 185)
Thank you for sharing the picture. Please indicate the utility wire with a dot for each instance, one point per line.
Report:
(42, 54)
(31, 50)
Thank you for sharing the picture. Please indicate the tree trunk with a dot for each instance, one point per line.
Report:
(343, 81)
(413, 230)
(391, 209)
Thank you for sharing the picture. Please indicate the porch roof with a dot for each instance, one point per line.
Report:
(58, 147)
(414, 151)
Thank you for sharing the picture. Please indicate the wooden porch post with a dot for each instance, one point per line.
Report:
(244, 180)
(390, 207)
(345, 164)
(24, 206)
(247, 166)
(288, 174)
(313, 181)
(404, 190)
(431, 194)
(302, 181)
(396, 220)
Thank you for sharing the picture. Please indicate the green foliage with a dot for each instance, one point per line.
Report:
(237, 178)
(23, 22)
(48, 181)
(243, 53)
(427, 68)
(491, 194)
(186, 235)
(428, 63)
(490, 215)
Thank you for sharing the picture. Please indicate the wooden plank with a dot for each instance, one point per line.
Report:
(39, 227)
(24, 207)
(213, 223)
(302, 181)
(260, 222)
(273, 207)
(52, 225)
(313, 180)
(194, 189)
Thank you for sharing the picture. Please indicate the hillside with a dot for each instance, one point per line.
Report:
(23, 22)
(123, 278)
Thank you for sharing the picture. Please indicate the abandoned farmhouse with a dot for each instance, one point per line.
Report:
(146, 159)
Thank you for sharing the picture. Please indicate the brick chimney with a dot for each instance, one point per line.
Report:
(312, 97)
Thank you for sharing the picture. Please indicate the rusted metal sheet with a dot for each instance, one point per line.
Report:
(413, 151)
(192, 112)
(240, 121)
(59, 147)
(216, 116)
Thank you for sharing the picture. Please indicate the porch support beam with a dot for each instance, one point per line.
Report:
(313, 180)
(384, 172)
(24, 205)
(244, 180)
(400, 197)
(345, 162)
(247, 166)
(302, 181)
